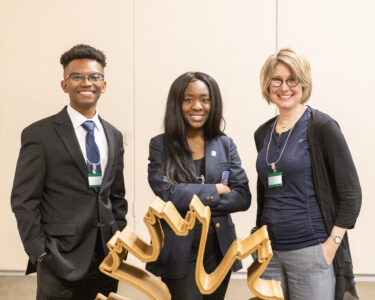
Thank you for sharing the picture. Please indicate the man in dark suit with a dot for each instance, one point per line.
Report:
(68, 192)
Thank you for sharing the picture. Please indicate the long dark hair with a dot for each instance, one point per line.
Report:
(177, 154)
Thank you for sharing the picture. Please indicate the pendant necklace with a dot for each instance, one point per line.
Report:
(273, 164)
(275, 179)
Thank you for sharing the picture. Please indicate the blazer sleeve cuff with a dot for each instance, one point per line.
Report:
(211, 196)
(34, 251)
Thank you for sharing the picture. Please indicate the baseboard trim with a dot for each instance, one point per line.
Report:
(14, 273)
(237, 275)
(358, 277)
(364, 277)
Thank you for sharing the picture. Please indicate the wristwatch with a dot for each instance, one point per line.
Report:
(336, 239)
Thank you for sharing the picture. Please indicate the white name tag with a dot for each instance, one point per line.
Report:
(95, 180)
(275, 179)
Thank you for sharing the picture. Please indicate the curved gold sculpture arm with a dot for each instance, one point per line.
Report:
(121, 243)
(112, 296)
(239, 249)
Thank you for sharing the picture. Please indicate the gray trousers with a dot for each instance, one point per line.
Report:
(304, 274)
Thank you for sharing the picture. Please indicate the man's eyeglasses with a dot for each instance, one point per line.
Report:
(277, 82)
(80, 77)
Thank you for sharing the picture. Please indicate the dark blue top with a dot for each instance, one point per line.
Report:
(291, 211)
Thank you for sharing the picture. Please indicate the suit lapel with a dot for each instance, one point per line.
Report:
(210, 155)
(65, 130)
(111, 151)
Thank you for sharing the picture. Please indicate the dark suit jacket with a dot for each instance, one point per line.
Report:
(220, 155)
(56, 211)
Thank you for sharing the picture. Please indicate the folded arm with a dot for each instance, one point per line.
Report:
(221, 201)
(239, 197)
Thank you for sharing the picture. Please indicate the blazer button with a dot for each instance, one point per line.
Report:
(208, 198)
(217, 225)
(212, 197)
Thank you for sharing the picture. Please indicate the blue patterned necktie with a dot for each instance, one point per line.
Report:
(92, 150)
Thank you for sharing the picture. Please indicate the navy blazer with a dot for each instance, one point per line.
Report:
(220, 155)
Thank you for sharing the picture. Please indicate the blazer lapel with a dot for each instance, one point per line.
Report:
(65, 131)
(210, 154)
(111, 151)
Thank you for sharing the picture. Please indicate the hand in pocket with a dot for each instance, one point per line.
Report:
(329, 252)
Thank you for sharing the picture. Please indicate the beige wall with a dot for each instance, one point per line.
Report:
(149, 43)
(336, 36)
(33, 35)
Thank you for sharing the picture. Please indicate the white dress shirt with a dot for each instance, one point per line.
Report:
(100, 139)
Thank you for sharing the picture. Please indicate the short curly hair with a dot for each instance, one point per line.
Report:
(298, 65)
(82, 51)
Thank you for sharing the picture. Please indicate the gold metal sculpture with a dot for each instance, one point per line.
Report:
(111, 296)
(126, 241)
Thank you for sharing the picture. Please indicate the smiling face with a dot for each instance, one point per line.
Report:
(83, 94)
(196, 105)
(284, 96)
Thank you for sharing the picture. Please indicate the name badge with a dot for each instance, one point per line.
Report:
(95, 180)
(275, 179)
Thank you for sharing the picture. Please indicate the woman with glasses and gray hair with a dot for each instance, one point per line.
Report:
(308, 189)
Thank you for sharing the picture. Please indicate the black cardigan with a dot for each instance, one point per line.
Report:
(336, 185)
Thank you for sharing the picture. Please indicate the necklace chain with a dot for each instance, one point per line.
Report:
(273, 164)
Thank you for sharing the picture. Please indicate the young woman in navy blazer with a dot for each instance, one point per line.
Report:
(195, 157)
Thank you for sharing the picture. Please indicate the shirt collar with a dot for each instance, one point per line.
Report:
(78, 119)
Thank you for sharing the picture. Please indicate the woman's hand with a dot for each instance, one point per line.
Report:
(329, 246)
(222, 189)
(329, 250)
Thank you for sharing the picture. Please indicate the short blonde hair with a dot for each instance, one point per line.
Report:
(298, 65)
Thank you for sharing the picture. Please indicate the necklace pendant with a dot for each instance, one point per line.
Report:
(273, 166)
